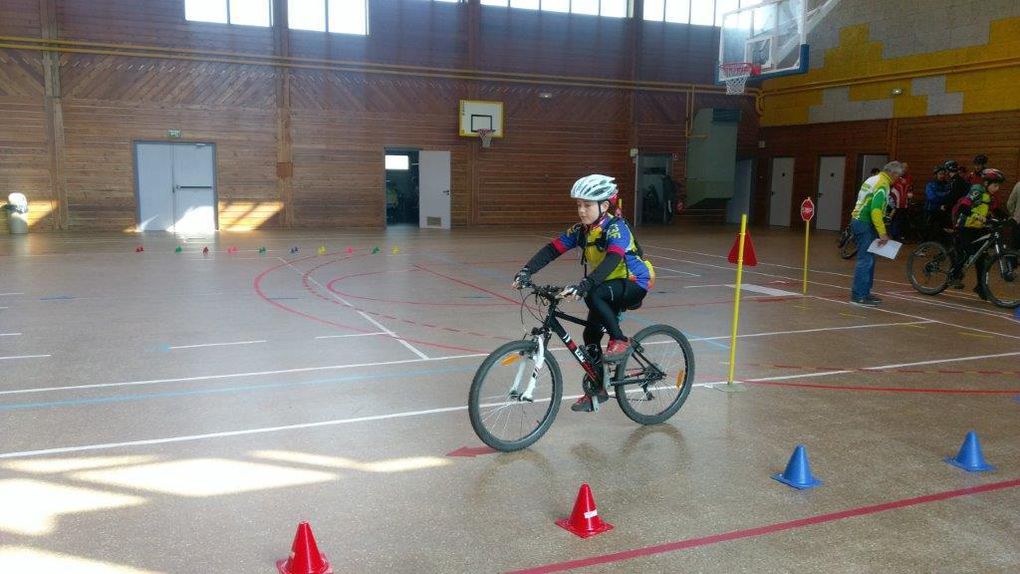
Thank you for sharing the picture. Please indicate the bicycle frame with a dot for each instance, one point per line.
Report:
(991, 242)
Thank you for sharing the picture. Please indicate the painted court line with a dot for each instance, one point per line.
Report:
(217, 344)
(687, 273)
(24, 357)
(765, 290)
(817, 330)
(364, 315)
(768, 529)
(6, 294)
(354, 335)
(10, 334)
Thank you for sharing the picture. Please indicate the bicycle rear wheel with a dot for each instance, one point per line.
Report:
(847, 245)
(661, 367)
(928, 268)
(504, 412)
(1002, 279)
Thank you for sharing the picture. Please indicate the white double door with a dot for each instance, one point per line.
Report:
(176, 185)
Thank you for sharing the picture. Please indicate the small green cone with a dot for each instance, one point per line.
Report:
(179, 249)
(262, 250)
(375, 250)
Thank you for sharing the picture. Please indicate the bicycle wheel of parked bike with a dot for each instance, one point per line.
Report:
(1002, 279)
(847, 245)
(506, 412)
(662, 368)
(928, 268)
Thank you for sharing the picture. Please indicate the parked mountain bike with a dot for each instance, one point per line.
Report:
(847, 243)
(517, 389)
(930, 265)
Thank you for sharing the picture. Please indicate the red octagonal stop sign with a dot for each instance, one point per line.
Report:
(807, 210)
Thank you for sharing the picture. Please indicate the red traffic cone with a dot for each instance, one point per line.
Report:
(584, 521)
(205, 251)
(139, 249)
(305, 557)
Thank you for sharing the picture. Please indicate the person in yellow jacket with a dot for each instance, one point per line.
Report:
(971, 214)
(867, 223)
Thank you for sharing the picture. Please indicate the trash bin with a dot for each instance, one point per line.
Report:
(17, 213)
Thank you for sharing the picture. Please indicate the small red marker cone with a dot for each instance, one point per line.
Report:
(139, 249)
(584, 521)
(205, 251)
(350, 251)
(305, 557)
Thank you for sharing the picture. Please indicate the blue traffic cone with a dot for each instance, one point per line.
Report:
(798, 471)
(970, 457)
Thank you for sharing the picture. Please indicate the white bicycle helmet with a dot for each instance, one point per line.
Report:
(594, 187)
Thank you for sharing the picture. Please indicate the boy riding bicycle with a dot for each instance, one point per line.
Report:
(621, 276)
(970, 215)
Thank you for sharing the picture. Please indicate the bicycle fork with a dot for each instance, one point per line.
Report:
(529, 391)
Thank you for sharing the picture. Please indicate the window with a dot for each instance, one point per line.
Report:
(337, 16)
(398, 162)
(698, 12)
(242, 12)
(608, 8)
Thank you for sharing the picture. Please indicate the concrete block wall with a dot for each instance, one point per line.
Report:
(863, 50)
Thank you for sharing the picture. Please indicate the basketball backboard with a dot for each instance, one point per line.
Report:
(771, 35)
(481, 115)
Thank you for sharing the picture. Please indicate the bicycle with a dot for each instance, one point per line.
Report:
(517, 390)
(847, 243)
(930, 265)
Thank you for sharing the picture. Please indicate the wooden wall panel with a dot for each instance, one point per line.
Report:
(24, 155)
(806, 144)
(925, 142)
(19, 18)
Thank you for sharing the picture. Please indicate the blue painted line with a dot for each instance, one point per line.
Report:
(284, 298)
(163, 348)
(700, 339)
(56, 298)
(1017, 398)
(225, 390)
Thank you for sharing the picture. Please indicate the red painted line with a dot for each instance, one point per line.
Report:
(332, 287)
(768, 529)
(471, 285)
(257, 284)
(788, 366)
(884, 389)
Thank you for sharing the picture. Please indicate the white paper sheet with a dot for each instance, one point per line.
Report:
(889, 250)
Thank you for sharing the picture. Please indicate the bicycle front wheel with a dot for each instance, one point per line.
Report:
(656, 377)
(509, 408)
(1002, 279)
(928, 268)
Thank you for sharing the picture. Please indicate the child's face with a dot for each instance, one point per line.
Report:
(993, 188)
(588, 211)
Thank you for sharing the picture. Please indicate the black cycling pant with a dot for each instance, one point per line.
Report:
(605, 302)
(966, 246)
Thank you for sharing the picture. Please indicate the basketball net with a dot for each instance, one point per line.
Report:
(486, 136)
(735, 75)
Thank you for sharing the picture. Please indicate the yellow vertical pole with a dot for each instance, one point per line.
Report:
(736, 300)
(807, 233)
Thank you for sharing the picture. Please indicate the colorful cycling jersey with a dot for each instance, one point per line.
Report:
(873, 195)
(610, 235)
(980, 203)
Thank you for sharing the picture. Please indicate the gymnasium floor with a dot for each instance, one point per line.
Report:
(177, 413)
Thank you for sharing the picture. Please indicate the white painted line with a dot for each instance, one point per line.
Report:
(354, 335)
(4, 307)
(24, 357)
(10, 334)
(765, 290)
(940, 361)
(217, 344)
(378, 325)
(238, 375)
(879, 309)
(700, 286)
(263, 430)
(818, 330)
(6, 294)
(687, 273)
(803, 376)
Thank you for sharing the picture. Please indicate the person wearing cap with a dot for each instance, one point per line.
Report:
(971, 215)
(936, 198)
(959, 187)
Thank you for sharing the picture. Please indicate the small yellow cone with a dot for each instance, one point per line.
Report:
(395, 250)
(322, 250)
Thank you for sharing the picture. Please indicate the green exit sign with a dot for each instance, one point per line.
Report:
(173, 134)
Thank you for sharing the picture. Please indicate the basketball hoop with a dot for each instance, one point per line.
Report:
(486, 136)
(735, 74)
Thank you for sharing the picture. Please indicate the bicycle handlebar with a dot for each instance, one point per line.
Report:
(548, 292)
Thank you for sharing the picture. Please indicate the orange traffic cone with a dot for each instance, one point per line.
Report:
(305, 557)
(584, 521)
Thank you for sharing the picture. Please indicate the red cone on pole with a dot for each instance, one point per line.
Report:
(305, 557)
(750, 259)
(584, 521)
